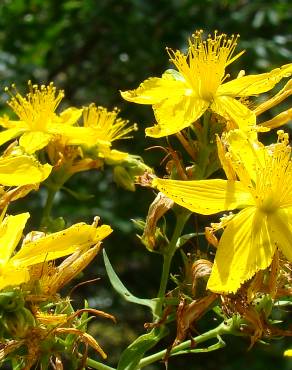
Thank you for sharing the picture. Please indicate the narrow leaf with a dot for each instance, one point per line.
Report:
(121, 289)
(131, 357)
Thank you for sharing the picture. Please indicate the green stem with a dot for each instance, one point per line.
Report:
(213, 333)
(181, 219)
(49, 204)
(204, 152)
(98, 365)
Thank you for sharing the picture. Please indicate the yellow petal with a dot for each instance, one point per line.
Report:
(76, 135)
(255, 84)
(8, 123)
(155, 89)
(281, 224)
(13, 276)
(9, 134)
(279, 120)
(288, 352)
(244, 248)
(62, 243)
(11, 229)
(247, 150)
(34, 140)
(22, 170)
(205, 196)
(176, 113)
(225, 160)
(234, 110)
(70, 115)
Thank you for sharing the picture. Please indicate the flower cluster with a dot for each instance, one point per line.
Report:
(39, 324)
(217, 123)
(218, 161)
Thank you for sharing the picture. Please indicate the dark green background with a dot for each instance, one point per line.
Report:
(93, 49)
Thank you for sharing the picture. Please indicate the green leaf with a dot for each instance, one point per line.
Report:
(131, 357)
(121, 289)
(185, 238)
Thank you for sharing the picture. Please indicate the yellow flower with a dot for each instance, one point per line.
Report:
(180, 97)
(288, 353)
(263, 195)
(100, 129)
(14, 269)
(105, 125)
(38, 123)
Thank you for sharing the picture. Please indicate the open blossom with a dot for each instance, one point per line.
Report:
(262, 193)
(181, 97)
(38, 123)
(100, 128)
(14, 269)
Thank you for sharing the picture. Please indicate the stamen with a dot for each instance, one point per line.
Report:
(204, 65)
(38, 106)
(108, 126)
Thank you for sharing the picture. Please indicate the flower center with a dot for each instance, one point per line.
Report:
(38, 107)
(274, 180)
(204, 65)
(106, 124)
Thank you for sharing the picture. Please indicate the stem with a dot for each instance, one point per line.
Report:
(181, 219)
(98, 365)
(185, 143)
(49, 202)
(204, 151)
(213, 333)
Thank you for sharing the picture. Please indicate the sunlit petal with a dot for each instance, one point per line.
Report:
(34, 140)
(281, 224)
(245, 247)
(22, 170)
(10, 134)
(234, 110)
(62, 243)
(205, 196)
(70, 115)
(176, 113)
(13, 276)
(11, 229)
(247, 151)
(255, 84)
(155, 89)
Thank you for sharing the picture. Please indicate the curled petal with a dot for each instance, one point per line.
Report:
(77, 237)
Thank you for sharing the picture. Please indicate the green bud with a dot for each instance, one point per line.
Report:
(18, 322)
(11, 301)
(123, 178)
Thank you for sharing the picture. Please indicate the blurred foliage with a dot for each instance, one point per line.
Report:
(94, 48)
